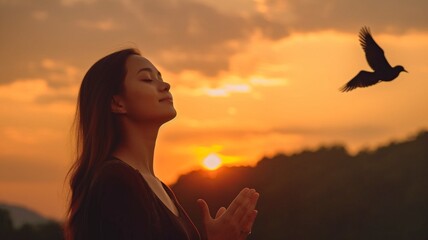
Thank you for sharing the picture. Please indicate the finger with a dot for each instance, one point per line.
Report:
(205, 210)
(248, 224)
(238, 201)
(220, 212)
(247, 206)
(246, 229)
(254, 197)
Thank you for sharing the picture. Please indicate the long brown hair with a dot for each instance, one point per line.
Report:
(97, 132)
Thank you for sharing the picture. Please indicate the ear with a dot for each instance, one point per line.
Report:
(117, 105)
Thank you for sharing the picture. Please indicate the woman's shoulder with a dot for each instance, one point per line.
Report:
(115, 171)
(116, 183)
(116, 166)
(117, 202)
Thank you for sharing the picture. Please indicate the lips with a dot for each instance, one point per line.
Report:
(167, 99)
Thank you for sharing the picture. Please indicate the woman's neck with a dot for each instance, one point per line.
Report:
(137, 146)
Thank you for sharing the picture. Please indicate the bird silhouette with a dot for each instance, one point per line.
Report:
(377, 61)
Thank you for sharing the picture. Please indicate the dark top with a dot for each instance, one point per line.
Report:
(121, 205)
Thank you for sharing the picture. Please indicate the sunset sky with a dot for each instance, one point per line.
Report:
(250, 78)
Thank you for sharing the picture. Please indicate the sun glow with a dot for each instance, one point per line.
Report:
(212, 162)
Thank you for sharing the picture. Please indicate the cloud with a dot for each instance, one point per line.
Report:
(349, 15)
(56, 81)
(210, 134)
(19, 169)
(23, 90)
(267, 82)
(59, 74)
(70, 3)
(227, 89)
(32, 142)
(40, 15)
(341, 15)
(194, 35)
(103, 25)
(39, 91)
(56, 97)
(179, 35)
(356, 131)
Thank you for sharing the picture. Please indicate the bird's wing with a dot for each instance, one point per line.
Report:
(374, 54)
(362, 79)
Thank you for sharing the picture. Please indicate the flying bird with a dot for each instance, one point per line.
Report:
(377, 61)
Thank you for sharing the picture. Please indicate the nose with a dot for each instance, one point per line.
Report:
(166, 86)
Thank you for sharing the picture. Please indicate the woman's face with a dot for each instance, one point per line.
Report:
(145, 96)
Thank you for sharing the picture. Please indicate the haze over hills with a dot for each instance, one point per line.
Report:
(326, 193)
(21, 215)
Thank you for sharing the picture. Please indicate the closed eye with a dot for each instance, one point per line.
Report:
(148, 80)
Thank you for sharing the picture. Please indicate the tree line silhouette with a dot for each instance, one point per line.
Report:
(326, 193)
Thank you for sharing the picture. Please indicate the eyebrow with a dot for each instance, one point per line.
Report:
(149, 70)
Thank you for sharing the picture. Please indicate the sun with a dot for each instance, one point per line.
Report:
(212, 162)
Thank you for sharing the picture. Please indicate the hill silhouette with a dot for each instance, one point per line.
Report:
(22, 215)
(326, 193)
(17, 223)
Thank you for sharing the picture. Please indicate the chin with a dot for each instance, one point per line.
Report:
(169, 117)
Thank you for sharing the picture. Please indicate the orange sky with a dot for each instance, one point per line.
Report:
(249, 79)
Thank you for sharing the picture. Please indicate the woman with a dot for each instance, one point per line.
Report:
(122, 103)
